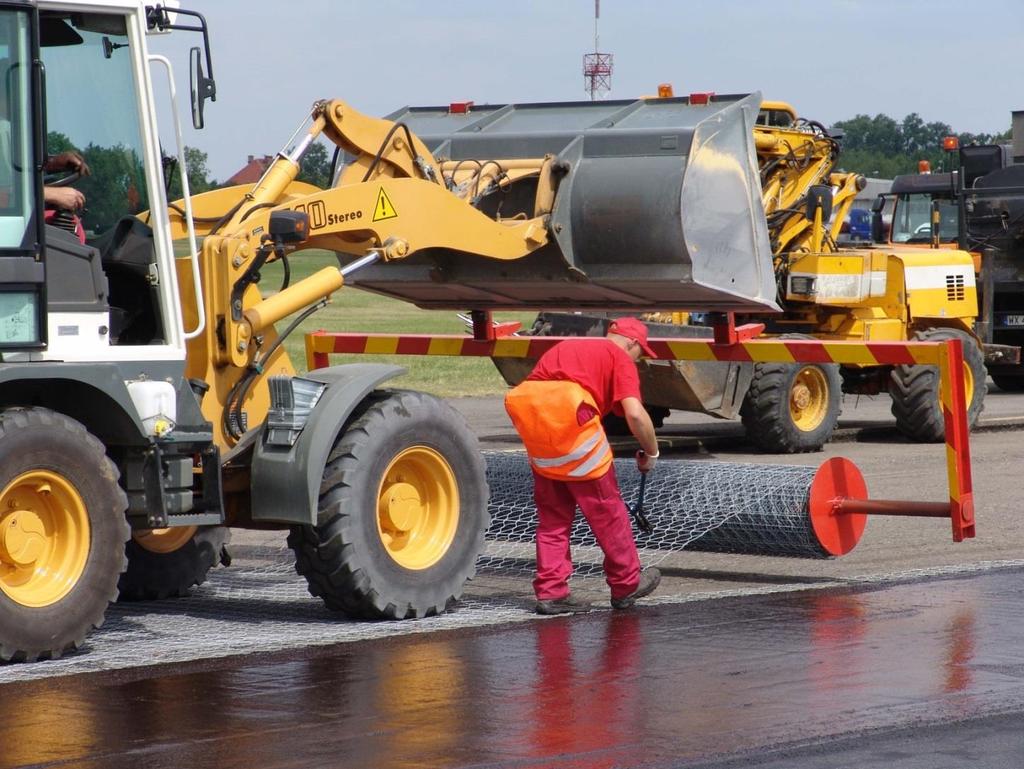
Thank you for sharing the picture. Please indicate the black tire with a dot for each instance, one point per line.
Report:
(1010, 383)
(344, 557)
(767, 413)
(52, 467)
(915, 390)
(617, 426)
(153, 575)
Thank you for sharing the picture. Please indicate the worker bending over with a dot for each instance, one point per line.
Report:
(557, 412)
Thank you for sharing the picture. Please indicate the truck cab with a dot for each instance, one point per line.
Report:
(915, 198)
(977, 207)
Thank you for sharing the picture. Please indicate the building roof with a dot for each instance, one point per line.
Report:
(251, 172)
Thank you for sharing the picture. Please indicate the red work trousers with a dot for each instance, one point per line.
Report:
(601, 504)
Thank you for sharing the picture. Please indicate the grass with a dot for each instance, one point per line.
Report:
(360, 311)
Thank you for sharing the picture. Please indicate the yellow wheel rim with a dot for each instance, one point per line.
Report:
(808, 399)
(418, 507)
(164, 540)
(44, 538)
(968, 384)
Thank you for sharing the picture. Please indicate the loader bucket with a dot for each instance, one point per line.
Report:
(659, 207)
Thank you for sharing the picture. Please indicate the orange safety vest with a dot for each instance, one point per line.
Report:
(559, 447)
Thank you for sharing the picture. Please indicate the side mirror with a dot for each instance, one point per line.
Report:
(879, 233)
(819, 197)
(201, 87)
(877, 221)
(877, 227)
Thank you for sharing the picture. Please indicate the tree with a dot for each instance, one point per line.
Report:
(881, 146)
(198, 174)
(915, 134)
(115, 188)
(880, 133)
(56, 143)
(315, 166)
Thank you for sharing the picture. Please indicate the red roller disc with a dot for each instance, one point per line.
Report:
(836, 478)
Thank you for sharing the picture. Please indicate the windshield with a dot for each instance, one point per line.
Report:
(91, 108)
(911, 221)
(17, 174)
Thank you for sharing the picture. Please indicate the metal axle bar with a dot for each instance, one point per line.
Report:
(845, 506)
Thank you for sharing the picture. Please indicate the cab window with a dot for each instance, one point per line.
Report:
(91, 108)
(18, 186)
(912, 219)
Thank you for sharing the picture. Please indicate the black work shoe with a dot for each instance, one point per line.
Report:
(650, 578)
(568, 605)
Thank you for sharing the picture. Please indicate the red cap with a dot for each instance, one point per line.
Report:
(632, 328)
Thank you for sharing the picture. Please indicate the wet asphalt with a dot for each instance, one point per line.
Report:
(920, 674)
(884, 670)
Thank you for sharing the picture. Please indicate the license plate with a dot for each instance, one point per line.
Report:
(1012, 321)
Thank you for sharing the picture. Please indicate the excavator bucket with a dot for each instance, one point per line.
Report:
(657, 205)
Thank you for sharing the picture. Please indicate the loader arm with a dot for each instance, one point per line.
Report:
(392, 200)
(210, 208)
(393, 218)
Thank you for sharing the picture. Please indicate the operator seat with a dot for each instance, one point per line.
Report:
(128, 257)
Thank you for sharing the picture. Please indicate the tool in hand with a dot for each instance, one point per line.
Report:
(637, 510)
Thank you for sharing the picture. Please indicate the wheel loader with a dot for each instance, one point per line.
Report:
(827, 292)
(147, 403)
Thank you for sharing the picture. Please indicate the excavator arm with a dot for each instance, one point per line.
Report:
(793, 156)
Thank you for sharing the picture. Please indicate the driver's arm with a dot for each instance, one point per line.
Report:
(63, 197)
(67, 161)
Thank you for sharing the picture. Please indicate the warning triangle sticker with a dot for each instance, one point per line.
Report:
(383, 209)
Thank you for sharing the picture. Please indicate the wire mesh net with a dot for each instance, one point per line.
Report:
(705, 506)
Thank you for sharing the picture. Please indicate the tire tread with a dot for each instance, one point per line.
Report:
(325, 554)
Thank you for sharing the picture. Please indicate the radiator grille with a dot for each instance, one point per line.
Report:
(955, 291)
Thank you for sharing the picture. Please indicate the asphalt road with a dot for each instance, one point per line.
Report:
(905, 653)
(920, 675)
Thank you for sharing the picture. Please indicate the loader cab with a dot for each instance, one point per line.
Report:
(106, 276)
(107, 289)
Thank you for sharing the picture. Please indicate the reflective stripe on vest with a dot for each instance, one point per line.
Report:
(544, 415)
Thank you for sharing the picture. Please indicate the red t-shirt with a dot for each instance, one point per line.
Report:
(600, 366)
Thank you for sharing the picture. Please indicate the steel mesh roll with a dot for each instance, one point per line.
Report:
(721, 507)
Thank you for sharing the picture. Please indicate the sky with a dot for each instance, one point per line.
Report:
(830, 59)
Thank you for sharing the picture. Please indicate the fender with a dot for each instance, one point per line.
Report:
(940, 285)
(285, 480)
(96, 395)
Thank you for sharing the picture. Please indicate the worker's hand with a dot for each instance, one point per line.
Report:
(645, 462)
(68, 161)
(67, 198)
